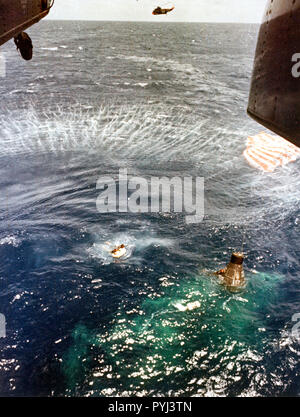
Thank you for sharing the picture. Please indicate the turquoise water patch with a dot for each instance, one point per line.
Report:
(192, 329)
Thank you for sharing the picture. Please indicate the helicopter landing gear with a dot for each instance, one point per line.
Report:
(24, 45)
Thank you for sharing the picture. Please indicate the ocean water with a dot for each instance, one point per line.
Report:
(159, 100)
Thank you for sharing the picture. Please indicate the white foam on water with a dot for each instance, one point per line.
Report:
(10, 240)
(187, 307)
(101, 250)
(55, 48)
(162, 64)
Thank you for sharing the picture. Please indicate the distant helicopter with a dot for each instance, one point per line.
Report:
(160, 11)
(17, 16)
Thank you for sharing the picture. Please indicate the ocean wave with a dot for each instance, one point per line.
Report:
(167, 64)
(54, 48)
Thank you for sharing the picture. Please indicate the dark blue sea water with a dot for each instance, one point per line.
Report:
(159, 100)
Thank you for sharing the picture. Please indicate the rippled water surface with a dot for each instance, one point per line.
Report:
(159, 100)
